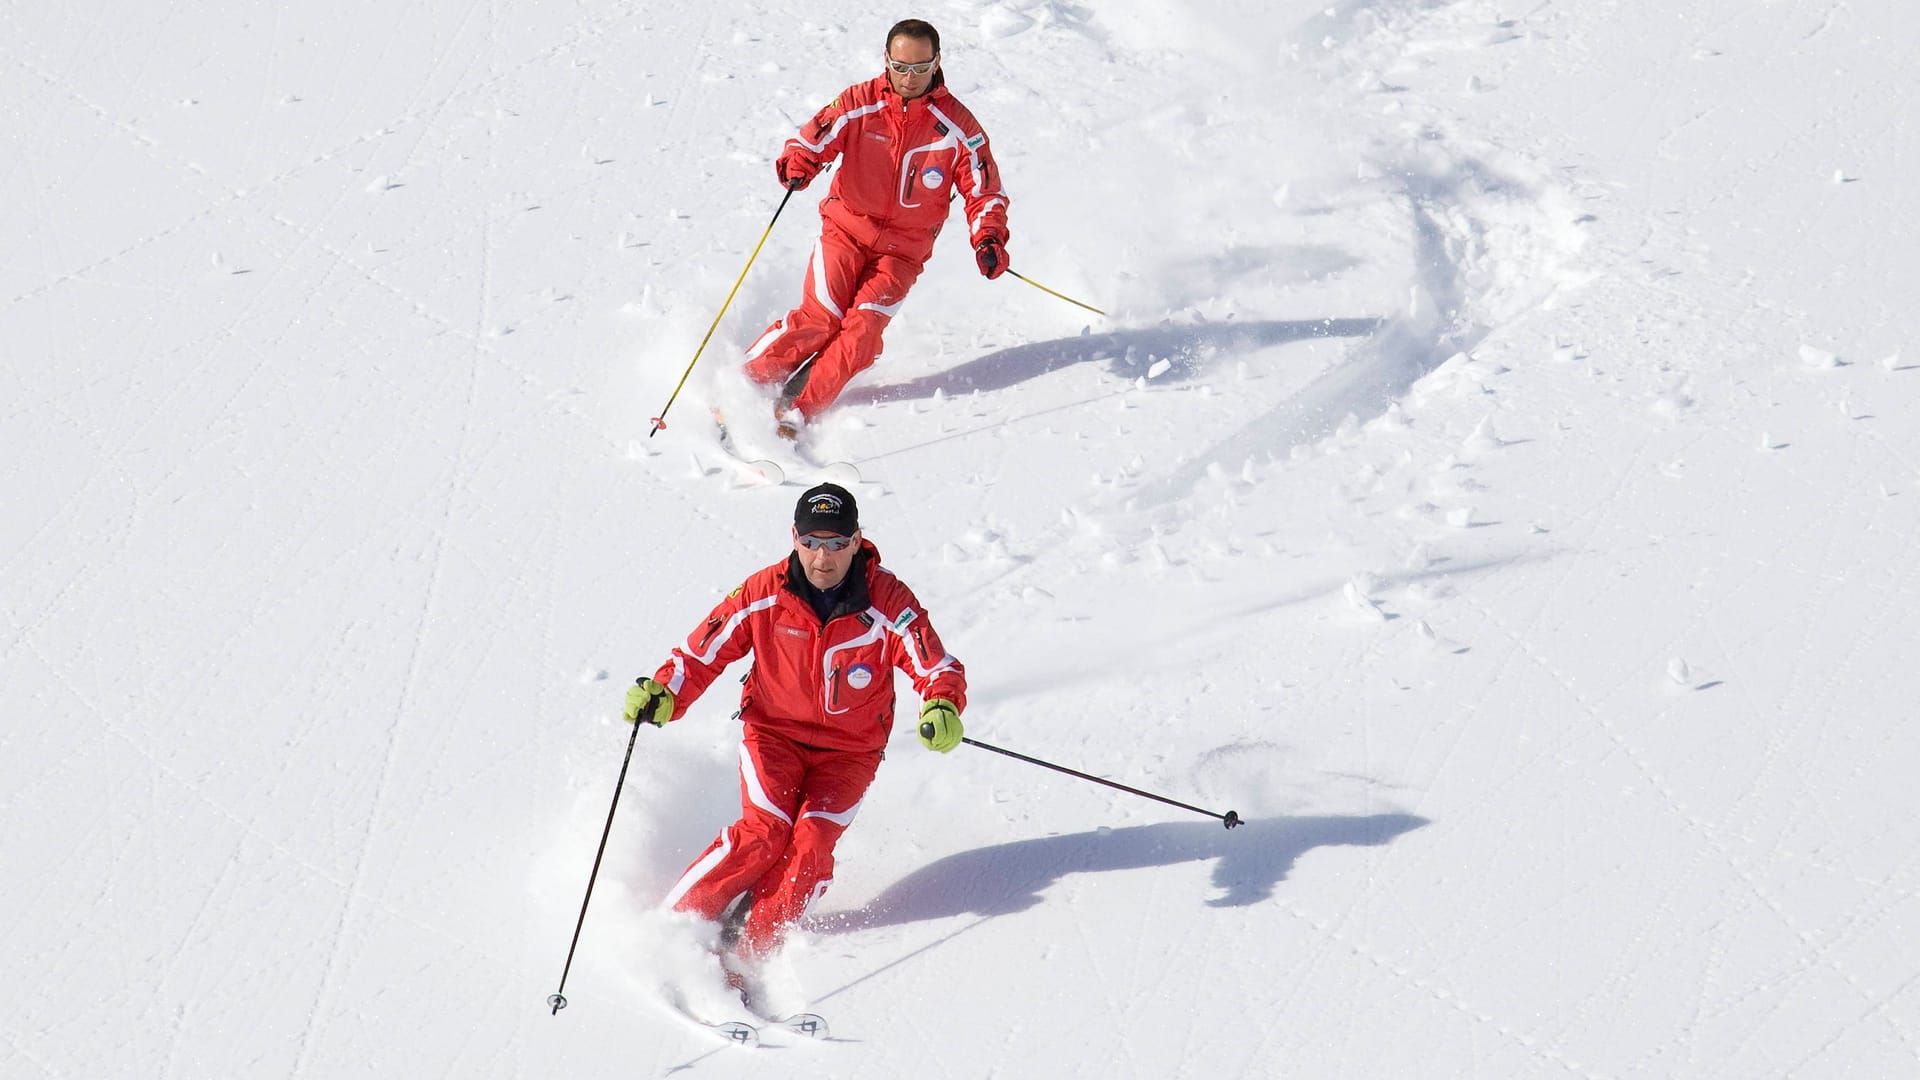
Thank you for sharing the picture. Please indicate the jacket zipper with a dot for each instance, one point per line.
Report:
(900, 196)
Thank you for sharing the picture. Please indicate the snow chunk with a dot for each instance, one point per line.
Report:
(1482, 439)
(1427, 640)
(1672, 401)
(1157, 556)
(1459, 376)
(1001, 22)
(646, 305)
(1356, 596)
(1394, 419)
(1818, 358)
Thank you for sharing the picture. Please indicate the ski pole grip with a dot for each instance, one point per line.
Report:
(926, 730)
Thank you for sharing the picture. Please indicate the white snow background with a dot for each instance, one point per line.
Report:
(1497, 479)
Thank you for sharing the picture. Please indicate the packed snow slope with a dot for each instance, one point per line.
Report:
(1497, 478)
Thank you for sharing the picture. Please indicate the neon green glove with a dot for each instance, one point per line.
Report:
(940, 725)
(648, 700)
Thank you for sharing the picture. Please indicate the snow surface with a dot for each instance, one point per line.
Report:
(1497, 479)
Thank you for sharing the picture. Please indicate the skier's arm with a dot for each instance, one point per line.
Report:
(935, 673)
(721, 638)
(980, 189)
(820, 139)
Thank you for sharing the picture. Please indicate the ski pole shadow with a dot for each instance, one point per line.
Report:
(1127, 353)
(1249, 863)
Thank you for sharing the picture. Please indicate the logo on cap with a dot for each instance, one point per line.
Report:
(826, 507)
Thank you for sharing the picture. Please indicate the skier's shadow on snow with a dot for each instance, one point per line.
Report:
(1128, 354)
(1249, 863)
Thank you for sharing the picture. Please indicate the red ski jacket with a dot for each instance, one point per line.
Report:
(900, 163)
(822, 684)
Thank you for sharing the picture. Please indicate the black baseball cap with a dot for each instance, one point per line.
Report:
(826, 508)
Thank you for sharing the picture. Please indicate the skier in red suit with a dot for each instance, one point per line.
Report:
(905, 145)
(827, 627)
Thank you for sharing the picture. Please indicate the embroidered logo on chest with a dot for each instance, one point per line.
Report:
(933, 178)
(859, 676)
(794, 631)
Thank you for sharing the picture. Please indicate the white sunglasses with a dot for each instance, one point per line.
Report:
(902, 68)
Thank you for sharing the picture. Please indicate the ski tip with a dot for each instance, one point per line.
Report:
(844, 473)
(812, 1025)
(737, 1033)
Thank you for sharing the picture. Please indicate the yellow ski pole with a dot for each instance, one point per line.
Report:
(1050, 292)
(660, 421)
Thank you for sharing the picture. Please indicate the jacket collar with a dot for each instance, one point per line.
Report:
(855, 595)
(936, 92)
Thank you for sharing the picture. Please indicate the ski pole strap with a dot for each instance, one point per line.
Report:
(1230, 818)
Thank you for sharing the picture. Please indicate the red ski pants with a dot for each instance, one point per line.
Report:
(795, 801)
(851, 293)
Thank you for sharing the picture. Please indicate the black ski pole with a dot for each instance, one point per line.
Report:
(1230, 818)
(558, 999)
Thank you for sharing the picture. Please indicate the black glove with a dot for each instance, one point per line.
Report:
(991, 254)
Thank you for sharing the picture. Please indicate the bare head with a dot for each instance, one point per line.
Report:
(913, 57)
